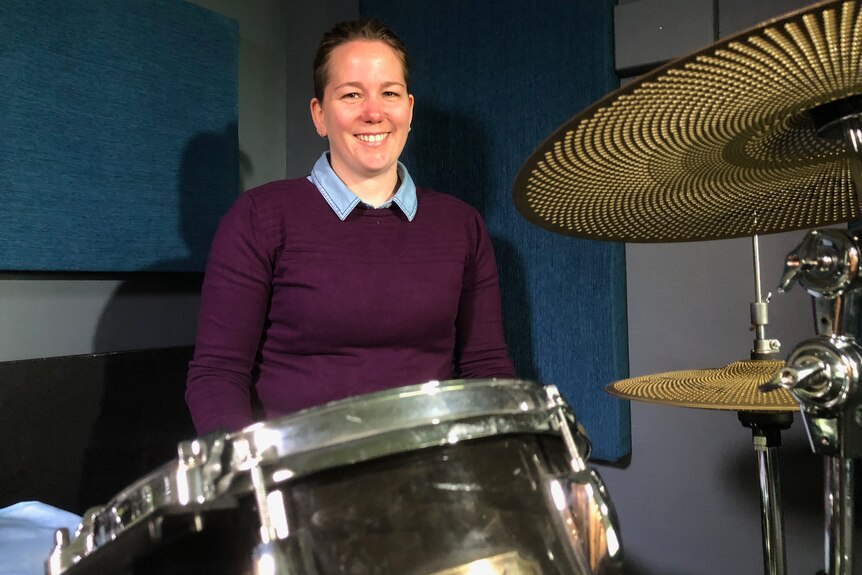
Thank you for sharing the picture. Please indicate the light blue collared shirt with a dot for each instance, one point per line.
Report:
(342, 200)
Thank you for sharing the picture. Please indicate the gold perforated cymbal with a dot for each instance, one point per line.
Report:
(719, 144)
(733, 388)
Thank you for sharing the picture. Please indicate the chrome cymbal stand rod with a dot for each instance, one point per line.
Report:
(772, 517)
(766, 431)
(838, 499)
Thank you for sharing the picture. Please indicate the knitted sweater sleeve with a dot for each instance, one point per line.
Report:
(480, 347)
(234, 299)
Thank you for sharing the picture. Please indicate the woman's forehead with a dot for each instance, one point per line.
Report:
(360, 60)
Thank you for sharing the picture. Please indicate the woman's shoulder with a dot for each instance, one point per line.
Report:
(440, 203)
(274, 203)
(278, 199)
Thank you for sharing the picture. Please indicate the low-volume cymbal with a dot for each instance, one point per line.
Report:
(733, 388)
(722, 143)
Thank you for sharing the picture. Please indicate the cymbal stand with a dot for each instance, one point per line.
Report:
(839, 503)
(823, 374)
(766, 431)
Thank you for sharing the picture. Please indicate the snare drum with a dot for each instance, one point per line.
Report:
(462, 477)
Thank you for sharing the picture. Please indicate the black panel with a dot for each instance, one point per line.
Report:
(78, 429)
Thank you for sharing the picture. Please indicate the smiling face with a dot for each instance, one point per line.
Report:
(365, 112)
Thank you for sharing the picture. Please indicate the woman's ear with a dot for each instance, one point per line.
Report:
(316, 109)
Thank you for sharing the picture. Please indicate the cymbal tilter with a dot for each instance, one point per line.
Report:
(764, 348)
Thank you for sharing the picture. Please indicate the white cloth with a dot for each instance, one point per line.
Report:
(27, 536)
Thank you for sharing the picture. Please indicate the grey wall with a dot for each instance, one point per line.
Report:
(263, 85)
(688, 501)
(308, 21)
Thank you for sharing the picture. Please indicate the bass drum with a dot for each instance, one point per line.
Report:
(463, 477)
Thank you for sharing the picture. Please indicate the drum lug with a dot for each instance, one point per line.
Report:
(198, 467)
(270, 508)
(154, 527)
(199, 523)
(54, 563)
(268, 557)
(67, 552)
(588, 520)
(577, 444)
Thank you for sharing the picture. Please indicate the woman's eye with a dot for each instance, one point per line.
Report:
(350, 96)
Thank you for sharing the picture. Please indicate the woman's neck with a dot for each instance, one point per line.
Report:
(376, 190)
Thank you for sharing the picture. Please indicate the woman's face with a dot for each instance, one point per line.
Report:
(365, 112)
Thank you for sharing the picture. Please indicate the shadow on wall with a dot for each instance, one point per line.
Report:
(450, 153)
(139, 422)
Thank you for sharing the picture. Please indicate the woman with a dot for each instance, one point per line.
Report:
(351, 280)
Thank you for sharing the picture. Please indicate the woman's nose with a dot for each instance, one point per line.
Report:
(372, 110)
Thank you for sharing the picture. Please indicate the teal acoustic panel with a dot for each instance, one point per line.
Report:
(492, 80)
(118, 133)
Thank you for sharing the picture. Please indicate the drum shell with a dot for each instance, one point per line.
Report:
(432, 510)
(426, 480)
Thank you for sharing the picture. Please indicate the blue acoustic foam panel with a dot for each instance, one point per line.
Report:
(118, 133)
(491, 81)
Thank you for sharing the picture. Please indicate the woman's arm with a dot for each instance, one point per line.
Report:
(234, 299)
(480, 346)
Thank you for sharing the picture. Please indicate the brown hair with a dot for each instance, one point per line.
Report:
(371, 30)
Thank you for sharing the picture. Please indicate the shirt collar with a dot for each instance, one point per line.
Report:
(342, 200)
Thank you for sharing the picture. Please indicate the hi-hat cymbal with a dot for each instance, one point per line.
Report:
(719, 144)
(733, 387)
